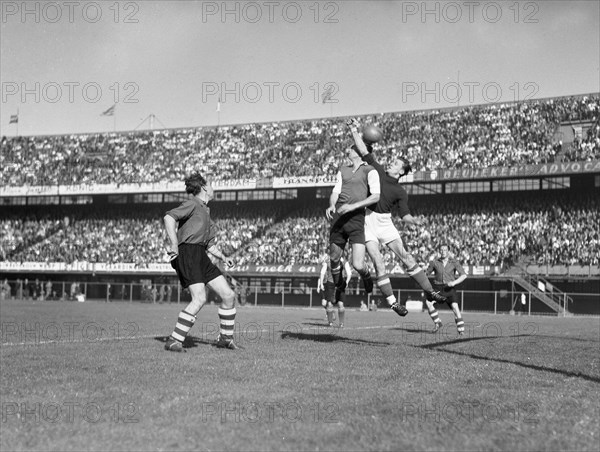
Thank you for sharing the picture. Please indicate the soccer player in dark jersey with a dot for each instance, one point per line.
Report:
(379, 227)
(190, 232)
(448, 273)
(332, 294)
(357, 186)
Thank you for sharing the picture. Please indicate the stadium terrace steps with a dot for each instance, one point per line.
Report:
(547, 293)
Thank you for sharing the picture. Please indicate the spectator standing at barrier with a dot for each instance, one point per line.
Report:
(5, 290)
(161, 294)
(27, 288)
(448, 273)
(48, 290)
(19, 289)
(74, 291)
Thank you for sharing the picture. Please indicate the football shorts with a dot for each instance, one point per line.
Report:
(379, 226)
(194, 266)
(349, 227)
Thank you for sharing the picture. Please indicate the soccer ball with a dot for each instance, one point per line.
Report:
(372, 134)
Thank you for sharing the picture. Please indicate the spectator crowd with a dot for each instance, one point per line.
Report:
(553, 230)
(543, 228)
(467, 137)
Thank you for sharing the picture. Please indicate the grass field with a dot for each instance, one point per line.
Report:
(94, 376)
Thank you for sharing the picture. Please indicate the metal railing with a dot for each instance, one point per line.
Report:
(497, 302)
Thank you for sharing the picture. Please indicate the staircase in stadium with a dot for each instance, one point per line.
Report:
(541, 289)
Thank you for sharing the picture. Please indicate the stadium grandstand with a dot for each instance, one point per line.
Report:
(513, 188)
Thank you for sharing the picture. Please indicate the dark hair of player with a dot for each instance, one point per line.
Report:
(406, 168)
(194, 183)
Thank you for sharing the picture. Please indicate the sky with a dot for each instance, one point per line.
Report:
(65, 63)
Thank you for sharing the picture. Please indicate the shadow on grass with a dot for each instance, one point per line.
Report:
(322, 324)
(568, 338)
(435, 346)
(330, 337)
(412, 330)
(190, 341)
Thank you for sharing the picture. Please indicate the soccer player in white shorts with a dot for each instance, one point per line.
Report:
(379, 227)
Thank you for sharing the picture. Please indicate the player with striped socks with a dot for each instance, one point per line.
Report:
(191, 236)
(448, 273)
(379, 227)
(332, 294)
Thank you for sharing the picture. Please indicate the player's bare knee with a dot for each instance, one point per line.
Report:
(408, 260)
(228, 299)
(380, 268)
(196, 304)
(359, 265)
(456, 309)
(335, 253)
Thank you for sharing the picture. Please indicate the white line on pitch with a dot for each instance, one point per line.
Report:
(323, 328)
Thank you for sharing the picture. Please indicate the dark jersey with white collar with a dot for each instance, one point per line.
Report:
(392, 193)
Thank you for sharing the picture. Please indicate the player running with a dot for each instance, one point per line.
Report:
(332, 294)
(379, 227)
(357, 186)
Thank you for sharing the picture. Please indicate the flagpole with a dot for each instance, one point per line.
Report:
(17, 122)
(115, 119)
(219, 112)
(458, 90)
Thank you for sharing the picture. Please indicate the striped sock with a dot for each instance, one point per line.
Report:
(420, 278)
(366, 276)
(329, 315)
(366, 279)
(460, 324)
(384, 284)
(185, 322)
(227, 318)
(435, 316)
(336, 271)
(340, 297)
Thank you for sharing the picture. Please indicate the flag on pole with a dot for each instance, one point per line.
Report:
(219, 104)
(109, 112)
(14, 119)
